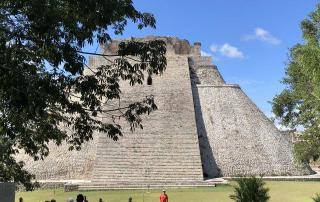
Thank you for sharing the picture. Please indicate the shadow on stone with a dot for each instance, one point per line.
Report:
(209, 165)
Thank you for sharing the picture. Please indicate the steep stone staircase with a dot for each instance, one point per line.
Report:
(166, 152)
(148, 161)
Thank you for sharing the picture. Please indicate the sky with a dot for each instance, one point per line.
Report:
(249, 40)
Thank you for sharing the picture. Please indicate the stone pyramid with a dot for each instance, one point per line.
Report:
(203, 128)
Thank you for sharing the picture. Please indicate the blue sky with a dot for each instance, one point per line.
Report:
(248, 39)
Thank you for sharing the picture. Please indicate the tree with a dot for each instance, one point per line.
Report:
(42, 80)
(316, 198)
(298, 105)
(250, 189)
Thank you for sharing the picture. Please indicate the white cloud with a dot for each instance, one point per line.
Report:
(230, 51)
(203, 53)
(225, 50)
(262, 35)
(214, 48)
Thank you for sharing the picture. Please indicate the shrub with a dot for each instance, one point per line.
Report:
(250, 189)
(316, 198)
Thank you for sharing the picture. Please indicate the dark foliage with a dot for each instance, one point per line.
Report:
(43, 89)
(250, 190)
(316, 198)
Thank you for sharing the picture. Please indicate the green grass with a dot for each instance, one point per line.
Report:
(280, 191)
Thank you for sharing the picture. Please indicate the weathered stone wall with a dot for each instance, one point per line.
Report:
(235, 137)
(62, 164)
(243, 140)
(7, 192)
(175, 46)
(202, 71)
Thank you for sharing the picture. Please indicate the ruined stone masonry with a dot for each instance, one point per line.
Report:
(203, 128)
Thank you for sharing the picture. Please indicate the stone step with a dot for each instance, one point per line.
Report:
(151, 167)
(146, 173)
(160, 174)
(152, 176)
(174, 134)
(153, 145)
(158, 181)
(146, 135)
(145, 159)
(144, 177)
(157, 151)
(154, 167)
(142, 169)
(148, 157)
(189, 148)
(145, 156)
(152, 185)
(144, 152)
(148, 162)
(151, 137)
(146, 181)
(134, 166)
(134, 187)
(140, 158)
(160, 152)
(159, 177)
(138, 142)
(169, 133)
(142, 180)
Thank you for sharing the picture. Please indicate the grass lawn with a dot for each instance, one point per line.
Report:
(280, 191)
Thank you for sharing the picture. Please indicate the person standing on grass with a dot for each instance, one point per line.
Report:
(80, 198)
(164, 197)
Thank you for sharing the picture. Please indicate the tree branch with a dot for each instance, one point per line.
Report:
(110, 55)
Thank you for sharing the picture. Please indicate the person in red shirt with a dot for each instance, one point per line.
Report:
(164, 197)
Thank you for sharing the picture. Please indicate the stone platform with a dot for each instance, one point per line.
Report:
(152, 185)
